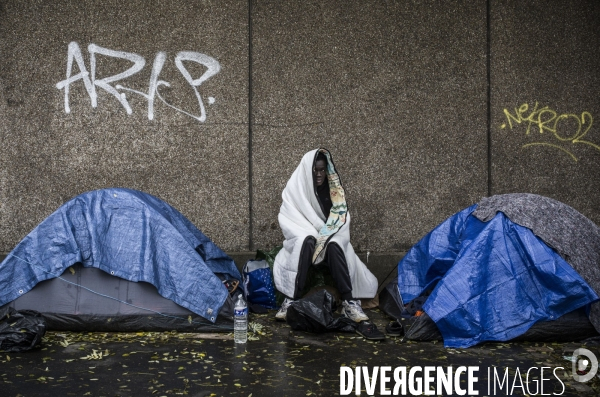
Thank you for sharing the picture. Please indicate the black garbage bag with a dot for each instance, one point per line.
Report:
(315, 314)
(422, 328)
(390, 300)
(20, 330)
(571, 327)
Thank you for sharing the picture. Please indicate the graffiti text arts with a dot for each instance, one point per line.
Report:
(91, 82)
(564, 128)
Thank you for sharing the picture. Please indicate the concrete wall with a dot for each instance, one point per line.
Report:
(421, 103)
(545, 75)
(49, 155)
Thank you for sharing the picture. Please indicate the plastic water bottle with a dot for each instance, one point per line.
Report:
(240, 321)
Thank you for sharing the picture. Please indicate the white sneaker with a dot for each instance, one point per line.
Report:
(353, 311)
(281, 314)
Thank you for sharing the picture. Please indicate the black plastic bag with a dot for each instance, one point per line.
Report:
(422, 328)
(20, 330)
(573, 326)
(315, 314)
(390, 300)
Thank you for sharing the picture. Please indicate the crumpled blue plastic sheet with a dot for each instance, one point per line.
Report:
(490, 281)
(258, 284)
(129, 234)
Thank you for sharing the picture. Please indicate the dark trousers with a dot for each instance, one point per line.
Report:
(334, 259)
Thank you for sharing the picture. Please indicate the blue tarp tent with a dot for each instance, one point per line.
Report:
(489, 281)
(127, 234)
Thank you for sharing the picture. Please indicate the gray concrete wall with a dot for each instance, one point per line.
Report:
(416, 100)
(545, 74)
(49, 155)
(396, 91)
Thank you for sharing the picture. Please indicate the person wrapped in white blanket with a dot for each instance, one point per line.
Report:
(315, 222)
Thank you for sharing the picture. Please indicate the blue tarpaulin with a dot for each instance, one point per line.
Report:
(128, 234)
(489, 281)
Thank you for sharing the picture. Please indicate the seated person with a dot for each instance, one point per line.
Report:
(315, 222)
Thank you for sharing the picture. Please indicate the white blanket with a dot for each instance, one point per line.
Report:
(301, 216)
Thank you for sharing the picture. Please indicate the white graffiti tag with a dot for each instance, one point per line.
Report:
(89, 78)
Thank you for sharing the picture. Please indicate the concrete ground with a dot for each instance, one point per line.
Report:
(276, 361)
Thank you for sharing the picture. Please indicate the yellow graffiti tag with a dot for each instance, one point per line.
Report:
(547, 120)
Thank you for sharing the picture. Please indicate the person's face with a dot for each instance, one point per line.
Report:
(320, 172)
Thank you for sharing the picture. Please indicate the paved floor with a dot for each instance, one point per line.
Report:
(276, 362)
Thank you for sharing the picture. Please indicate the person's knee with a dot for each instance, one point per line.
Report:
(335, 257)
(309, 242)
(334, 249)
(308, 246)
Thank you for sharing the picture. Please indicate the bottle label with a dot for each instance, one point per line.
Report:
(241, 312)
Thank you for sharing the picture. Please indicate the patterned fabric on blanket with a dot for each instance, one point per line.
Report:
(337, 215)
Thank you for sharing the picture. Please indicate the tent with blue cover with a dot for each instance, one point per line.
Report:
(120, 260)
(495, 269)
